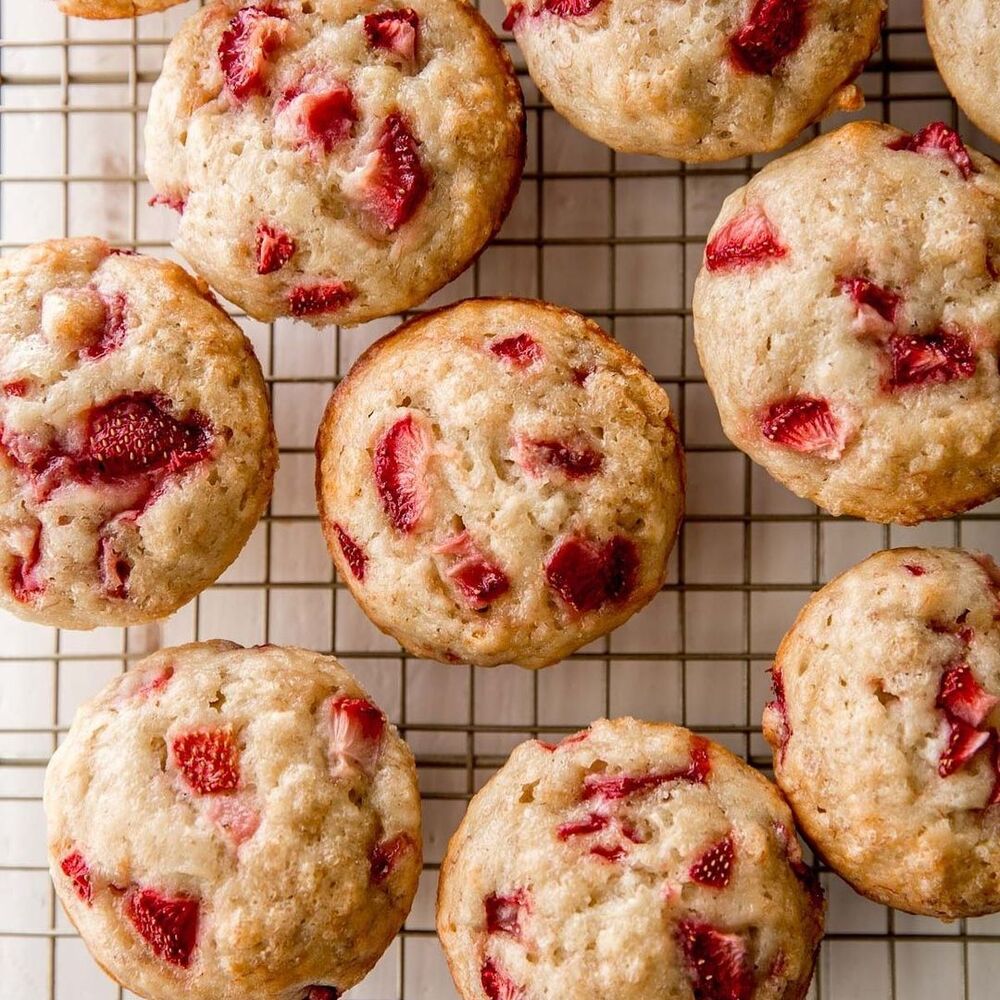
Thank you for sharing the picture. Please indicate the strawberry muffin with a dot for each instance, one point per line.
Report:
(136, 446)
(634, 861)
(499, 481)
(105, 9)
(696, 81)
(847, 317)
(226, 823)
(884, 729)
(334, 160)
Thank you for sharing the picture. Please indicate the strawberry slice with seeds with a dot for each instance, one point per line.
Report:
(17, 388)
(208, 760)
(946, 356)
(877, 307)
(316, 113)
(74, 866)
(571, 8)
(575, 459)
(806, 425)
(588, 574)
(717, 963)
(356, 730)
(746, 240)
(168, 924)
(503, 913)
(25, 579)
(963, 697)
(773, 32)
(253, 36)
(476, 577)
(963, 743)
(353, 553)
(592, 823)
(400, 466)
(395, 32)
(386, 854)
(497, 985)
(714, 867)
(611, 787)
(275, 248)
(937, 139)
(520, 351)
(314, 300)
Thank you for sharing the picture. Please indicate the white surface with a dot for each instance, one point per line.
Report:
(698, 654)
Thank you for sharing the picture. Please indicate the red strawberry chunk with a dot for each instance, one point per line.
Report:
(714, 867)
(571, 8)
(17, 388)
(386, 854)
(317, 114)
(963, 697)
(777, 711)
(169, 924)
(773, 32)
(173, 201)
(314, 300)
(609, 852)
(937, 139)
(877, 307)
(717, 963)
(153, 685)
(994, 798)
(76, 869)
(322, 993)
(394, 31)
(574, 459)
(26, 580)
(914, 569)
(275, 248)
(353, 553)
(497, 985)
(514, 17)
(253, 35)
(503, 913)
(400, 464)
(964, 742)
(520, 350)
(805, 425)
(610, 787)
(235, 816)
(941, 357)
(114, 569)
(477, 578)
(588, 574)
(356, 730)
(744, 241)
(112, 333)
(592, 823)
(208, 760)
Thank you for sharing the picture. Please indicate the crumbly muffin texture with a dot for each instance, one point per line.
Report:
(697, 80)
(226, 823)
(106, 9)
(136, 446)
(847, 318)
(884, 729)
(499, 481)
(634, 861)
(334, 160)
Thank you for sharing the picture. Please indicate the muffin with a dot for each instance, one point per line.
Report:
(847, 318)
(331, 160)
(634, 861)
(136, 446)
(499, 481)
(101, 9)
(696, 81)
(227, 823)
(884, 729)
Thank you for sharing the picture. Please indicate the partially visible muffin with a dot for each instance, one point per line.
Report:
(136, 445)
(884, 729)
(100, 9)
(634, 861)
(226, 823)
(499, 481)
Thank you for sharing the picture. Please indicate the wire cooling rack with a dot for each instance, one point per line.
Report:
(617, 237)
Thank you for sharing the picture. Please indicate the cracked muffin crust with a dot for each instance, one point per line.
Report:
(100, 9)
(696, 81)
(847, 317)
(884, 729)
(635, 861)
(136, 446)
(334, 160)
(227, 823)
(499, 481)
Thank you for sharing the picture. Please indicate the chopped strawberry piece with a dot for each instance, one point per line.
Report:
(964, 742)
(593, 823)
(588, 574)
(356, 730)
(514, 17)
(745, 240)
(208, 760)
(353, 553)
(400, 464)
(253, 35)
(937, 139)
(154, 684)
(610, 787)
(994, 798)
(275, 248)
(609, 852)
(477, 579)
(773, 32)
(806, 425)
(717, 963)
(313, 300)
(386, 854)
(112, 333)
(877, 307)
(571, 8)
(394, 31)
(76, 869)
(962, 697)
(503, 913)
(937, 358)
(26, 581)
(169, 924)
(322, 993)
(497, 985)
(114, 568)
(520, 350)
(580, 375)
(173, 201)
(236, 817)
(714, 867)
(913, 569)
(17, 388)
(574, 459)
(777, 712)
(316, 113)
(701, 763)
(802, 871)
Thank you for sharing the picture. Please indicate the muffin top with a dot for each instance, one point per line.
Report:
(100, 9)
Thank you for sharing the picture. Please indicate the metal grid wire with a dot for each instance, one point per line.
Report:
(697, 656)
